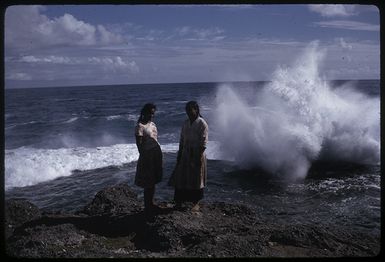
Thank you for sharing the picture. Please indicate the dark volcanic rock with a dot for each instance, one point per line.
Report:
(329, 241)
(215, 232)
(114, 225)
(113, 200)
(17, 212)
(65, 240)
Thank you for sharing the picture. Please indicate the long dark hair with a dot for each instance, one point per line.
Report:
(145, 111)
(193, 104)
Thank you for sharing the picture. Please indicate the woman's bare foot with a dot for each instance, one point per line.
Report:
(195, 208)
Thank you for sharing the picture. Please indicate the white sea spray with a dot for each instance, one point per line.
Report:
(26, 166)
(296, 119)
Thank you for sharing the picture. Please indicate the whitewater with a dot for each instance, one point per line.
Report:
(27, 166)
(297, 119)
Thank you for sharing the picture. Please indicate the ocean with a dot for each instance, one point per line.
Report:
(296, 151)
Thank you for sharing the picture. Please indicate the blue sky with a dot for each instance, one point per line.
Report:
(127, 44)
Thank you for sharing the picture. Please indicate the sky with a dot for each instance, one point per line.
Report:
(74, 45)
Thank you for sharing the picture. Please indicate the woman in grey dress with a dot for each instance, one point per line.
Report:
(190, 174)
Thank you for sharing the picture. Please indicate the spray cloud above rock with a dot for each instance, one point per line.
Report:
(295, 119)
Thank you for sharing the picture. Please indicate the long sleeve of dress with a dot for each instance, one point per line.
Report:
(204, 135)
(181, 141)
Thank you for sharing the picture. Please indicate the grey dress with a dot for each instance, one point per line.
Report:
(191, 171)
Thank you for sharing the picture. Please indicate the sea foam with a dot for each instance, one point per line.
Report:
(27, 166)
(296, 119)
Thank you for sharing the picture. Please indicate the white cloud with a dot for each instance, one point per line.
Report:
(209, 34)
(236, 7)
(348, 25)
(26, 27)
(344, 44)
(114, 63)
(133, 67)
(182, 31)
(333, 10)
(107, 63)
(18, 76)
(47, 59)
(276, 41)
(152, 35)
(66, 30)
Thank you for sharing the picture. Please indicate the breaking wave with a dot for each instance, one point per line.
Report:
(295, 119)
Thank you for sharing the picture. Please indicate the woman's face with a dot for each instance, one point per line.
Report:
(150, 116)
(192, 113)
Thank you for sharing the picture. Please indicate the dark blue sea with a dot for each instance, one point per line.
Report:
(304, 152)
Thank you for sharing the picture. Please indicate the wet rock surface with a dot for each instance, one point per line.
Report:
(17, 212)
(114, 225)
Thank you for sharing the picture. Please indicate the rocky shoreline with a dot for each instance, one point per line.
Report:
(114, 225)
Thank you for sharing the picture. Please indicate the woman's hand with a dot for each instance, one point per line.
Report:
(202, 150)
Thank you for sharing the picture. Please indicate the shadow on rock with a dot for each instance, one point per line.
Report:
(103, 225)
(114, 225)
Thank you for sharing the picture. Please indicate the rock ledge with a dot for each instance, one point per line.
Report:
(114, 225)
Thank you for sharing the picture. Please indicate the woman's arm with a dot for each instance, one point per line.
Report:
(139, 143)
(204, 131)
(181, 141)
(139, 137)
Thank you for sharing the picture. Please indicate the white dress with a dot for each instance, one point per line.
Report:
(191, 171)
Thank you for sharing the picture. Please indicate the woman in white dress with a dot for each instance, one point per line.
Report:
(190, 174)
(149, 170)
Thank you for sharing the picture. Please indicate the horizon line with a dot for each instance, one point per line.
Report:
(176, 83)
